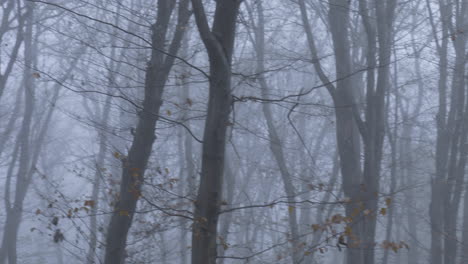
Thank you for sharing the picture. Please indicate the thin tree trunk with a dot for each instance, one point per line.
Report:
(187, 175)
(437, 183)
(19, 39)
(101, 156)
(457, 124)
(359, 186)
(99, 164)
(14, 213)
(11, 122)
(275, 141)
(229, 199)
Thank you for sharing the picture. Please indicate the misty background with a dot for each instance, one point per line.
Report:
(233, 131)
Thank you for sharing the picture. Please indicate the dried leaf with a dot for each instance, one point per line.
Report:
(89, 203)
(383, 211)
(348, 231)
(123, 213)
(388, 201)
(315, 227)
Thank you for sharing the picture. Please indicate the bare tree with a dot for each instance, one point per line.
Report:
(134, 164)
(7, 23)
(219, 43)
(360, 181)
(452, 132)
(276, 145)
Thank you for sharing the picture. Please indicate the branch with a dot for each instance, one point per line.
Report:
(126, 32)
(313, 50)
(202, 22)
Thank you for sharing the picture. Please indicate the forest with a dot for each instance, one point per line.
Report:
(233, 131)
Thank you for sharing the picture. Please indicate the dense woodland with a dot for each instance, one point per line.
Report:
(233, 131)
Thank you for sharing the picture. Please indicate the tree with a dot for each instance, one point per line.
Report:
(360, 181)
(7, 23)
(276, 146)
(452, 132)
(219, 44)
(134, 164)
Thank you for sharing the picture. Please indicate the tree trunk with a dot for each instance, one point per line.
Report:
(99, 164)
(360, 186)
(14, 213)
(274, 139)
(437, 182)
(219, 43)
(134, 165)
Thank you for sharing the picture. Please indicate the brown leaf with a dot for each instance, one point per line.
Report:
(388, 201)
(89, 203)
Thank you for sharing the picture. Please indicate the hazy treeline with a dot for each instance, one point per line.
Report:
(233, 131)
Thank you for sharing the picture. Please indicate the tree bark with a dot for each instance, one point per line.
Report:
(219, 43)
(14, 213)
(360, 185)
(134, 165)
(437, 182)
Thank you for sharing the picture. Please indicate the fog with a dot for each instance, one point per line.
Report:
(233, 131)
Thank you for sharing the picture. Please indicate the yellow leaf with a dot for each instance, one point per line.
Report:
(355, 212)
(123, 213)
(388, 201)
(315, 227)
(117, 155)
(348, 231)
(169, 113)
(291, 209)
(383, 211)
